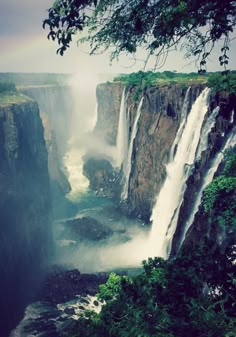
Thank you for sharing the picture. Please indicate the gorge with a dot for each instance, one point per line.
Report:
(134, 168)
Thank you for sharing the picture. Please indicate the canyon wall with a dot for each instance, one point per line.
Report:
(25, 206)
(157, 127)
(58, 104)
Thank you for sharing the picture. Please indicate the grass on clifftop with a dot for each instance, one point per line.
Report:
(217, 81)
(9, 98)
(9, 94)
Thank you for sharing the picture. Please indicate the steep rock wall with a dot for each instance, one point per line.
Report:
(57, 102)
(109, 99)
(158, 124)
(59, 183)
(25, 208)
(157, 127)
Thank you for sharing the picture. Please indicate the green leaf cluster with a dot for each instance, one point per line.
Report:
(157, 26)
(219, 198)
(167, 299)
(222, 82)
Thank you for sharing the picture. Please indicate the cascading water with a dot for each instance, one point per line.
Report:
(207, 179)
(184, 114)
(202, 146)
(83, 120)
(122, 132)
(166, 210)
(128, 166)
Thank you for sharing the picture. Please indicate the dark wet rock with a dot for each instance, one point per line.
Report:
(63, 286)
(85, 228)
(69, 311)
(103, 178)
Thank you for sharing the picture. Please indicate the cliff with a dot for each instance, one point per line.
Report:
(58, 104)
(25, 206)
(109, 100)
(157, 127)
(58, 180)
(158, 124)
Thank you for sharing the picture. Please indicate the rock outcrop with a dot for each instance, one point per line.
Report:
(25, 206)
(103, 178)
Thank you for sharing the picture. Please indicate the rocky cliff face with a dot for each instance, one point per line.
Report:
(156, 131)
(57, 102)
(157, 127)
(109, 100)
(24, 207)
(158, 124)
(58, 181)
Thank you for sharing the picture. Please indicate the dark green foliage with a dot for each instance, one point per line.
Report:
(219, 198)
(158, 26)
(7, 87)
(150, 78)
(168, 299)
(142, 79)
(222, 82)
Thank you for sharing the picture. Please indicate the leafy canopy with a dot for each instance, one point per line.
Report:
(156, 25)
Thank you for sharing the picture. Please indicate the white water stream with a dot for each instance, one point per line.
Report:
(207, 180)
(128, 164)
(122, 132)
(166, 209)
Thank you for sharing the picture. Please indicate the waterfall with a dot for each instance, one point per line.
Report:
(207, 180)
(202, 146)
(184, 114)
(166, 210)
(122, 133)
(232, 117)
(128, 166)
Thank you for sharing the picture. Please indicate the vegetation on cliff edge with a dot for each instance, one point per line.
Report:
(9, 94)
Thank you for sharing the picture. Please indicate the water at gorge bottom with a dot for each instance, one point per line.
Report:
(94, 238)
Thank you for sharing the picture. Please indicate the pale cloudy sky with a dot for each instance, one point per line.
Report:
(25, 48)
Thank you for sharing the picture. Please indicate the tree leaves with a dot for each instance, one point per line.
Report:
(156, 25)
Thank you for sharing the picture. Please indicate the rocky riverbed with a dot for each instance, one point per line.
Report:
(63, 297)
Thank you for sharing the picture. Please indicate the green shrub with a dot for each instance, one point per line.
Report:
(222, 82)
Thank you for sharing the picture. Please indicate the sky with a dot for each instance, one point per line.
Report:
(24, 47)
